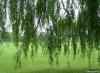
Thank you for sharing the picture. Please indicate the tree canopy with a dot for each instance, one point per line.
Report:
(63, 27)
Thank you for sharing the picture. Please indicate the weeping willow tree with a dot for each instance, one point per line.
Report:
(2, 17)
(27, 16)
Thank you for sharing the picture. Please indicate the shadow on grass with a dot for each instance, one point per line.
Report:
(67, 71)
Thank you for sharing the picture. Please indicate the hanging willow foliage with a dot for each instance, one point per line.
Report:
(3, 4)
(14, 17)
(26, 17)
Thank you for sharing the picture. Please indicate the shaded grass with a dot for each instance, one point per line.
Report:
(67, 71)
(39, 63)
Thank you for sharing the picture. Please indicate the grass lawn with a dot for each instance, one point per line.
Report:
(40, 63)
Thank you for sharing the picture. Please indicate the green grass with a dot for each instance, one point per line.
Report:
(40, 63)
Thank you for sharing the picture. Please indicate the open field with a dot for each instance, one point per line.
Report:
(40, 63)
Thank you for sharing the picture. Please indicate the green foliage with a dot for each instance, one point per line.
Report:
(14, 17)
(64, 30)
(3, 4)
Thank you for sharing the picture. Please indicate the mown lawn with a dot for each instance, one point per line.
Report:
(40, 63)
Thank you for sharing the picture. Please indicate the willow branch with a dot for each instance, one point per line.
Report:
(64, 6)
